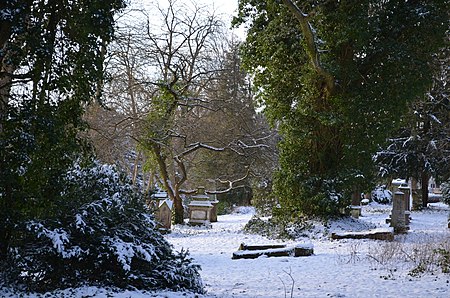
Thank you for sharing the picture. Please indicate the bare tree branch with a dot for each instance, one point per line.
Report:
(311, 47)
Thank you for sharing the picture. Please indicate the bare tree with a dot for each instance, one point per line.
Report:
(163, 111)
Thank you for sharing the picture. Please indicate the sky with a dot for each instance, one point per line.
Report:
(224, 8)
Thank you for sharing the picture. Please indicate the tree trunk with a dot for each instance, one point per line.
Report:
(356, 198)
(172, 190)
(136, 166)
(424, 183)
(179, 210)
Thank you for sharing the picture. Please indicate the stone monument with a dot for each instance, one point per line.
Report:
(398, 213)
(200, 208)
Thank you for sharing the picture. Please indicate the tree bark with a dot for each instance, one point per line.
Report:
(424, 178)
(311, 47)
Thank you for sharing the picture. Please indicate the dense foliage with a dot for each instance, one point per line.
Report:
(336, 82)
(51, 60)
(445, 187)
(420, 148)
(62, 226)
(101, 235)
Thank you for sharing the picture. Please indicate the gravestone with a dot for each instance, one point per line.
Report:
(398, 213)
(200, 209)
(256, 251)
(164, 214)
(405, 189)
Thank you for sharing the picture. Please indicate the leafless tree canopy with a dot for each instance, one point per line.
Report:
(178, 104)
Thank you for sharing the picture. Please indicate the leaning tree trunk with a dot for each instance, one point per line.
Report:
(425, 177)
(171, 188)
(178, 208)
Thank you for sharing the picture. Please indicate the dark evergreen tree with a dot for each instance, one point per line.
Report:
(51, 62)
(336, 81)
(62, 226)
(420, 149)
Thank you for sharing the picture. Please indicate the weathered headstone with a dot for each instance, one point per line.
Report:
(398, 213)
(405, 189)
(164, 214)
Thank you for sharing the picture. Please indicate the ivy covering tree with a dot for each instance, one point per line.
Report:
(60, 225)
(336, 82)
(51, 59)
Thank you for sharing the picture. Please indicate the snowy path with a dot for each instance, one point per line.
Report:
(337, 269)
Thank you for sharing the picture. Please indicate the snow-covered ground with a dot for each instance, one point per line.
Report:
(338, 268)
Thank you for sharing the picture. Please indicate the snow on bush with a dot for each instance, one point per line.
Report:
(445, 187)
(101, 234)
(382, 195)
(244, 210)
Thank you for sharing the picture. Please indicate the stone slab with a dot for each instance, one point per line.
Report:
(300, 250)
(377, 234)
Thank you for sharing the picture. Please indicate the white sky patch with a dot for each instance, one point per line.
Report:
(225, 9)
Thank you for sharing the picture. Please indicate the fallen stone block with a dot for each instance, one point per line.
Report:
(377, 234)
(244, 246)
(256, 251)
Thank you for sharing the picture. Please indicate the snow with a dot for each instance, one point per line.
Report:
(338, 268)
(57, 236)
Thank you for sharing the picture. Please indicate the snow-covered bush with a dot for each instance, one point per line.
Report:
(445, 187)
(276, 228)
(102, 235)
(382, 195)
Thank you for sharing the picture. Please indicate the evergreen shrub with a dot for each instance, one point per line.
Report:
(101, 235)
(445, 187)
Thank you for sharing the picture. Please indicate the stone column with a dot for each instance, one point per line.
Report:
(405, 189)
(398, 213)
(355, 208)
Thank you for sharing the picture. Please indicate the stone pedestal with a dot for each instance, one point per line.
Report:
(199, 213)
(398, 213)
(213, 213)
(405, 189)
(202, 211)
(355, 211)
